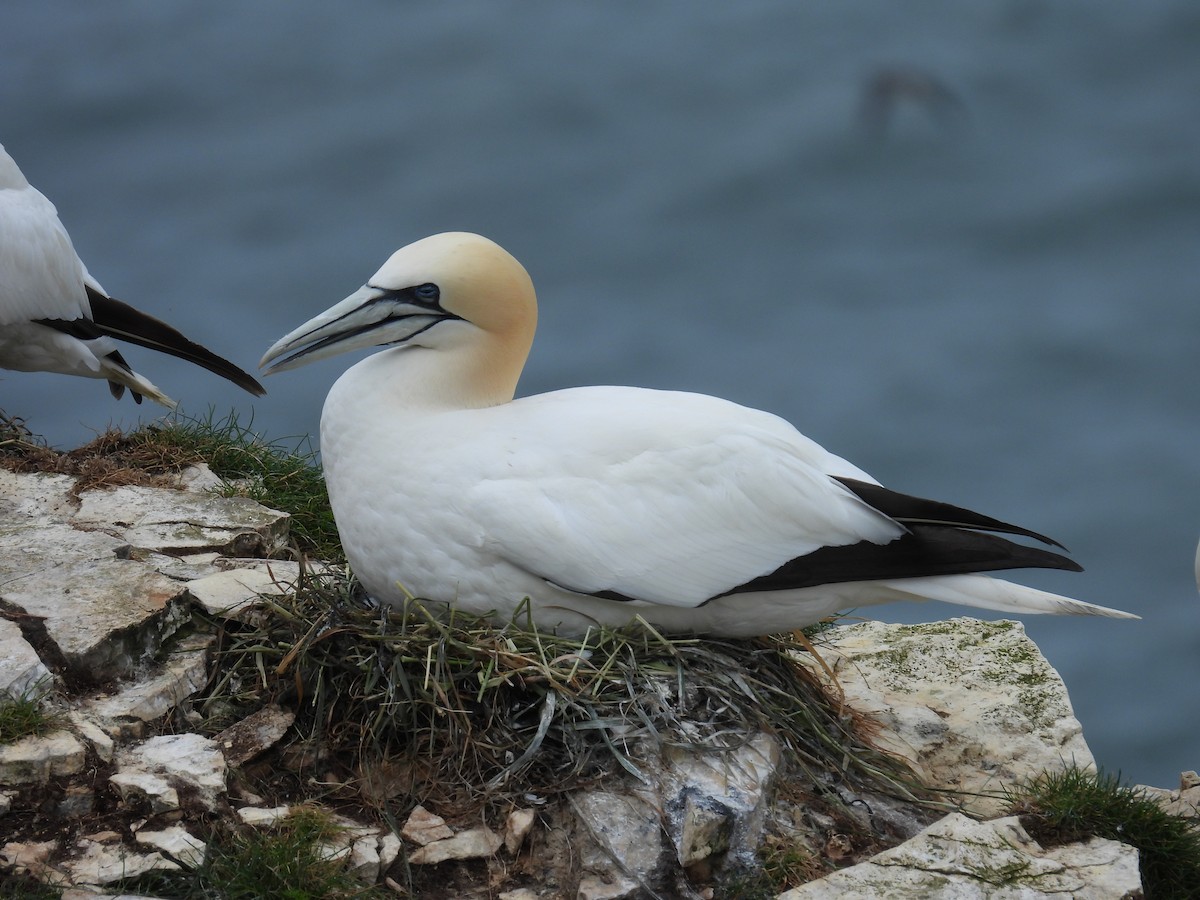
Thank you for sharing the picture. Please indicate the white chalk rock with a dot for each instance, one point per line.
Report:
(263, 817)
(364, 861)
(245, 739)
(35, 760)
(389, 849)
(35, 498)
(184, 672)
(22, 672)
(423, 827)
(201, 479)
(177, 843)
(178, 522)
(104, 613)
(31, 857)
(151, 785)
(716, 803)
(626, 843)
(474, 843)
(106, 863)
(957, 858)
(516, 828)
(233, 592)
(973, 706)
(1183, 802)
(156, 766)
(613, 886)
(99, 739)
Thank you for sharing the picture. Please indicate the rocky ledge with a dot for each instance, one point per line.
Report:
(97, 594)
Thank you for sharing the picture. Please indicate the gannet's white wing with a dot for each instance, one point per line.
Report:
(43, 277)
(659, 497)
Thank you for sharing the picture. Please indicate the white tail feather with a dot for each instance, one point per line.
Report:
(985, 592)
(135, 382)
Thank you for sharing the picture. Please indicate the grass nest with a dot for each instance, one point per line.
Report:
(463, 714)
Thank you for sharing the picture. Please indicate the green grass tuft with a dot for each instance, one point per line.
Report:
(25, 716)
(1075, 804)
(287, 862)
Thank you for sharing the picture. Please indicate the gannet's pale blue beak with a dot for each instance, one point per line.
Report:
(370, 317)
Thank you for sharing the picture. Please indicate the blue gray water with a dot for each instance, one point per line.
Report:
(997, 308)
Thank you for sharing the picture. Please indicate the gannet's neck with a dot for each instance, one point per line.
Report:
(415, 378)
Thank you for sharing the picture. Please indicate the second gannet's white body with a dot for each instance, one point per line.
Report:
(602, 504)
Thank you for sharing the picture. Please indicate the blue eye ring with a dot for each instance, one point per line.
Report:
(428, 292)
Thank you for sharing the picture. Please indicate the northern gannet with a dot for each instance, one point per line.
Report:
(601, 504)
(55, 317)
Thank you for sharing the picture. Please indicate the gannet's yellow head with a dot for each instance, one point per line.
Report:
(446, 291)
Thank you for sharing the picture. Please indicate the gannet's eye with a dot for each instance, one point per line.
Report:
(428, 292)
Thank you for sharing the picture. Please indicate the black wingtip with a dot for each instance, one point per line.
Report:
(120, 320)
(924, 551)
(910, 510)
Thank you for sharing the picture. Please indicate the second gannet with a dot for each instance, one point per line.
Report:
(55, 317)
(601, 504)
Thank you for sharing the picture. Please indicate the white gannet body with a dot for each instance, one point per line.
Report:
(602, 504)
(55, 317)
